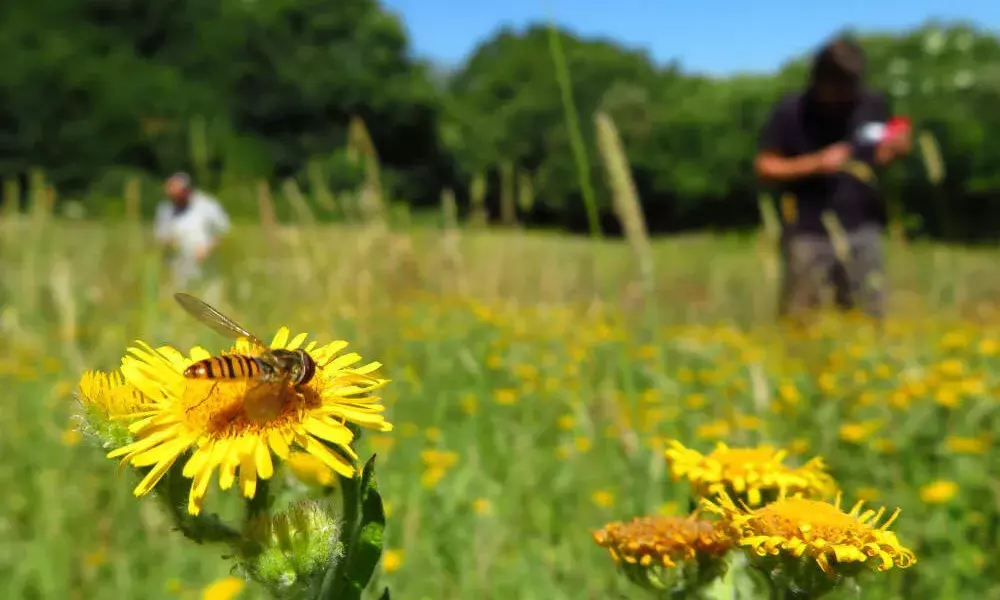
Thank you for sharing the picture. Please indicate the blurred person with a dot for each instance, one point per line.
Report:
(809, 140)
(189, 224)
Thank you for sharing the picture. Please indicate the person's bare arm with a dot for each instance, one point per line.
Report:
(771, 166)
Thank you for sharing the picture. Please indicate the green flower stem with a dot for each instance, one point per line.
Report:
(172, 492)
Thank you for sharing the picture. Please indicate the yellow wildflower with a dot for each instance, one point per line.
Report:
(966, 445)
(235, 425)
(662, 540)
(750, 473)
(797, 528)
(939, 492)
(603, 498)
(392, 560)
(226, 588)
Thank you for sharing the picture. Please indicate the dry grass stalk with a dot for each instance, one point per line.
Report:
(769, 238)
(319, 188)
(61, 286)
(624, 196)
(477, 201)
(450, 252)
(11, 199)
(525, 192)
(268, 219)
(360, 147)
(133, 215)
(838, 237)
(291, 192)
(199, 148)
(133, 200)
(931, 155)
(508, 200)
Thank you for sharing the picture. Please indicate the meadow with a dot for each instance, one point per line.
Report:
(535, 385)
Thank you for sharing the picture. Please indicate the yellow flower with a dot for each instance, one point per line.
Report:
(437, 464)
(749, 473)
(797, 528)
(714, 430)
(223, 589)
(856, 433)
(939, 492)
(966, 445)
(109, 395)
(662, 540)
(482, 507)
(603, 498)
(392, 560)
(236, 425)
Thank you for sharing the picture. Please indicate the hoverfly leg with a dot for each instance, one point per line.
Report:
(211, 390)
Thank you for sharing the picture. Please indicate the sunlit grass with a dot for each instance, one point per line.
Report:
(530, 408)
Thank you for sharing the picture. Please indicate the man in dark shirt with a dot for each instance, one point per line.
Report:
(806, 148)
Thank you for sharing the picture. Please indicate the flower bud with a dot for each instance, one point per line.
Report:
(296, 549)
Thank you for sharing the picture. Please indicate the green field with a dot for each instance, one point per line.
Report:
(534, 386)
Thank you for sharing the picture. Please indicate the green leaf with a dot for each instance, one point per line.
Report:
(385, 595)
(366, 550)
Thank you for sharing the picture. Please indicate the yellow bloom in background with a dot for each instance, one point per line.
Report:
(233, 427)
(226, 588)
(392, 560)
(747, 473)
(437, 464)
(505, 396)
(967, 445)
(482, 507)
(797, 528)
(939, 492)
(664, 541)
(603, 498)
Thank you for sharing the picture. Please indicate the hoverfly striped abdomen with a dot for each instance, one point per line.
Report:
(229, 366)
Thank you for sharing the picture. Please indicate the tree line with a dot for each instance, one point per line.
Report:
(96, 91)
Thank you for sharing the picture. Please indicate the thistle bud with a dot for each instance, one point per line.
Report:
(296, 549)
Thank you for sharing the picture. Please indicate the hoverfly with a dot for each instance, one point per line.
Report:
(273, 366)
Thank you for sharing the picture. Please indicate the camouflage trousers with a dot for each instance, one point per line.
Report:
(813, 273)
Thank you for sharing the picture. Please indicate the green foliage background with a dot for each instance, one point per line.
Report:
(105, 88)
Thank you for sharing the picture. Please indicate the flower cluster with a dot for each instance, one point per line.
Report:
(777, 514)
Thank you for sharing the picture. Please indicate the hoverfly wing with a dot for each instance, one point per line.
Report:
(265, 399)
(218, 322)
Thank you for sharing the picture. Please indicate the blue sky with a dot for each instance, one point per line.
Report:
(709, 36)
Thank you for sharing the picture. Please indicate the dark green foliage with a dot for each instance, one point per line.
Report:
(103, 86)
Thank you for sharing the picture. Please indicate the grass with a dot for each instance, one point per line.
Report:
(534, 386)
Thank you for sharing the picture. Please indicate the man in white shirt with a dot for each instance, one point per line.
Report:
(189, 224)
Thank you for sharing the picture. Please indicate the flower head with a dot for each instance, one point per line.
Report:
(799, 530)
(235, 426)
(297, 547)
(754, 475)
(107, 399)
(647, 547)
(662, 540)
